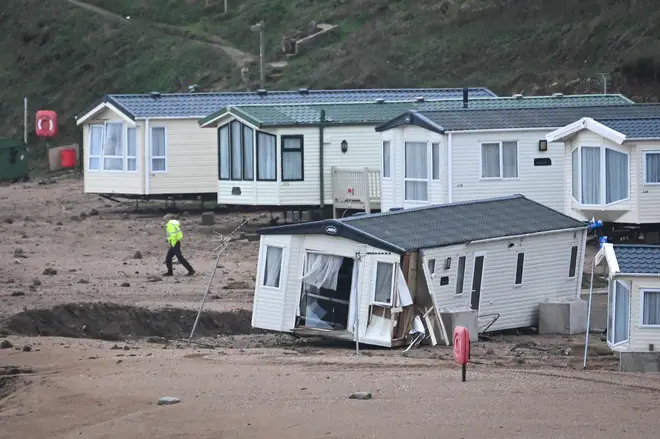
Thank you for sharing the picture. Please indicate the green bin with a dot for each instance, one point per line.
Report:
(13, 160)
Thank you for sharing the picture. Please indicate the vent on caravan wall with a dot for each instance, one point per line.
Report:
(465, 97)
(262, 92)
(517, 96)
(155, 94)
(394, 209)
(303, 91)
(380, 101)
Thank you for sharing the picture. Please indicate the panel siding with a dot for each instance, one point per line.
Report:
(545, 276)
(192, 159)
(268, 304)
(544, 184)
(640, 338)
(113, 182)
(648, 195)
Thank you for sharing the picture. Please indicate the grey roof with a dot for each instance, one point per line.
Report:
(465, 120)
(641, 128)
(199, 105)
(638, 259)
(440, 225)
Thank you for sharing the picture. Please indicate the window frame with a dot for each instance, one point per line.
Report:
(301, 150)
(573, 267)
(100, 156)
(520, 265)
(426, 180)
(387, 168)
(644, 154)
(603, 175)
(220, 161)
(264, 271)
(375, 282)
(256, 155)
(124, 146)
(642, 293)
(436, 162)
(462, 283)
(129, 157)
(500, 143)
(151, 150)
(431, 266)
(230, 155)
(612, 330)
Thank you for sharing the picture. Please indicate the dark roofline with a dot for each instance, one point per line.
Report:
(626, 273)
(344, 229)
(402, 119)
(106, 99)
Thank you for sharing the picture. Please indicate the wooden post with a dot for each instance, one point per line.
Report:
(367, 192)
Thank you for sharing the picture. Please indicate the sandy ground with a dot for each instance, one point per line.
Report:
(64, 249)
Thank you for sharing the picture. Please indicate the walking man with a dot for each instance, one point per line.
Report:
(174, 237)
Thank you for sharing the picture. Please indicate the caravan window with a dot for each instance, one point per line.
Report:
(273, 266)
(383, 284)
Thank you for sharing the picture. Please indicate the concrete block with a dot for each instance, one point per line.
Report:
(467, 318)
(640, 361)
(563, 317)
(208, 218)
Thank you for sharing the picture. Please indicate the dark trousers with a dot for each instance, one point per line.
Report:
(176, 251)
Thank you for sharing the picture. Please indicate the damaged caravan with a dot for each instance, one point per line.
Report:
(365, 278)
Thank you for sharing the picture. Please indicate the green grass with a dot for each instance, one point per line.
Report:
(64, 58)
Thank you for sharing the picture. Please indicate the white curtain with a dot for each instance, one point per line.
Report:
(651, 310)
(322, 270)
(224, 152)
(236, 153)
(386, 160)
(131, 149)
(353, 309)
(435, 161)
(415, 170)
(652, 167)
(490, 160)
(266, 157)
(590, 175)
(291, 159)
(113, 147)
(248, 150)
(95, 147)
(510, 159)
(158, 149)
(576, 174)
(616, 176)
(273, 268)
(621, 309)
(383, 287)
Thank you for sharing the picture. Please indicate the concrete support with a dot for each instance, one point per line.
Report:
(563, 317)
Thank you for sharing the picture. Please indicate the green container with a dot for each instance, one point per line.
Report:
(13, 160)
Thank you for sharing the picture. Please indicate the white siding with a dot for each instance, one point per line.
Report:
(543, 184)
(393, 192)
(639, 338)
(545, 276)
(113, 182)
(623, 212)
(647, 196)
(192, 159)
(269, 302)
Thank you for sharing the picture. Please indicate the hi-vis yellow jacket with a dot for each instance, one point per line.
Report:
(174, 233)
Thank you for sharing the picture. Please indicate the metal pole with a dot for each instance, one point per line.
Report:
(356, 326)
(225, 7)
(261, 56)
(586, 338)
(25, 120)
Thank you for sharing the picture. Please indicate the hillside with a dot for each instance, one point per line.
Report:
(64, 57)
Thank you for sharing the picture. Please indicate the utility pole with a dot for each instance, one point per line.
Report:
(25, 120)
(604, 77)
(259, 27)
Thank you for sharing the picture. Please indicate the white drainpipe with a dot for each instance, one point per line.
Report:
(449, 170)
(147, 138)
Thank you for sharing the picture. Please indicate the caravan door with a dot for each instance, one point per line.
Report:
(270, 292)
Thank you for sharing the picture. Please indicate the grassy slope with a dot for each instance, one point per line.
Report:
(535, 46)
(64, 58)
(509, 45)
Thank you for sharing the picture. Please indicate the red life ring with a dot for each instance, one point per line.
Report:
(46, 123)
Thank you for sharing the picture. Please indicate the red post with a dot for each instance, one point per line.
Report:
(462, 349)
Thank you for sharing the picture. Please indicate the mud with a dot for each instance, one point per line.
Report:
(109, 321)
